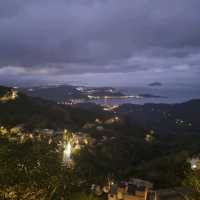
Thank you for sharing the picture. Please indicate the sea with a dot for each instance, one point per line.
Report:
(166, 95)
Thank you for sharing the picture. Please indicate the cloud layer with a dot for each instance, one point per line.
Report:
(74, 37)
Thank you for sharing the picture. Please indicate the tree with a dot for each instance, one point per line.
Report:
(193, 181)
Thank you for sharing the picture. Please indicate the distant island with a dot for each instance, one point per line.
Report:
(155, 84)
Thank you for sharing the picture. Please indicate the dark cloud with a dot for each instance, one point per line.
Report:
(98, 36)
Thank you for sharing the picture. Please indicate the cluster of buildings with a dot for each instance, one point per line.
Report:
(99, 124)
(182, 123)
(19, 135)
(108, 107)
(71, 102)
(138, 189)
(9, 96)
(134, 189)
(79, 139)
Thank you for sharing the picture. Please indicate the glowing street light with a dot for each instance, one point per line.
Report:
(194, 163)
(67, 153)
(194, 166)
(67, 150)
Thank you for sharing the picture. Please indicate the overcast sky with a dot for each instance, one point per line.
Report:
(100, 42)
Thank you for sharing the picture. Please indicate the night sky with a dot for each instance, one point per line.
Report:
(100, 42)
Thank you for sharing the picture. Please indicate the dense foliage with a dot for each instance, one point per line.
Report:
(34, 169)
(37, 113)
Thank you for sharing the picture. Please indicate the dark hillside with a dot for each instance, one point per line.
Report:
(38, 113)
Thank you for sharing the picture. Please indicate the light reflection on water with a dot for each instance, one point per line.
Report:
(174, 95)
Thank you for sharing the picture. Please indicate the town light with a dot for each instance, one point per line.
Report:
(194, 166)
(68, 150)
(67, 153)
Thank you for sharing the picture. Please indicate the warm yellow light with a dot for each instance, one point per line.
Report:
(67, 151)
(194, 166)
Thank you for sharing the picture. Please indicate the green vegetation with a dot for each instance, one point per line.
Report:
(37, 113)
(33, 169)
